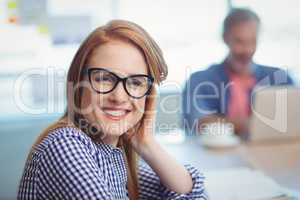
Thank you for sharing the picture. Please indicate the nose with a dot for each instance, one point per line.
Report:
(118, 94)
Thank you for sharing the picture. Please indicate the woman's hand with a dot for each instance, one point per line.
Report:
(143, 141)
(142, 134)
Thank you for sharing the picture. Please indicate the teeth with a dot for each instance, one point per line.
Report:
(116, 113)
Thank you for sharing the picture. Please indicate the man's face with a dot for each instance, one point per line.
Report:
(241, 40)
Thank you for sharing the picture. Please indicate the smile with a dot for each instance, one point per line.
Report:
(115, 114)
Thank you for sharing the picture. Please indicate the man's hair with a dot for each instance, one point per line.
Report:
(237, 16)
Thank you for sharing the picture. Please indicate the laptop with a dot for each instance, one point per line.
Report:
(275, 114)
(274, 143)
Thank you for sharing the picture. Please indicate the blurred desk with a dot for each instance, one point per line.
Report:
(279, 160)
(191, 151)
(284, 170)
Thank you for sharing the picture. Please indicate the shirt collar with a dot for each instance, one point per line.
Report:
(253, 66)
(108, 149)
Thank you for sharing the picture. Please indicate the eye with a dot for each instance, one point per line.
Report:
(136, 82)
(103, 78)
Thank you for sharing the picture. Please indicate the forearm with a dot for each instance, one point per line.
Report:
(172, 175)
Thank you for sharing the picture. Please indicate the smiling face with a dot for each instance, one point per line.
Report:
(115, 112)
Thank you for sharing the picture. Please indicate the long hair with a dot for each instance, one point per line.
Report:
(114, 30)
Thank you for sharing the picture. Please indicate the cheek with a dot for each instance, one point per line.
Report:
(139, 106)
(89, 103)
(86, 99)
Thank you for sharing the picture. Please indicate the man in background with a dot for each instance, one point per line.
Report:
(222, 93)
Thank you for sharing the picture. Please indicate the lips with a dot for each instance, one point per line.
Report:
(115, 113)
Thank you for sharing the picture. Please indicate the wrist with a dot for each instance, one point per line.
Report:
(147, 148)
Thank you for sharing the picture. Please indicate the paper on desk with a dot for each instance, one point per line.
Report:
(241, 184)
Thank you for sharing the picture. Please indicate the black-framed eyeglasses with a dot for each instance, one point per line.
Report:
(104, 81)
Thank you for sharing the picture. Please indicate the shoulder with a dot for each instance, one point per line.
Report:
(210, 73)
(69, 165)
(206, 80)
(276, 75)
(66, 138)
(267, 69)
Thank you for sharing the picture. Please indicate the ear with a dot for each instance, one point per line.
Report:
(225, 38)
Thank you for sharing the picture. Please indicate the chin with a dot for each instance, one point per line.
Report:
(116, 128)
(116, 122)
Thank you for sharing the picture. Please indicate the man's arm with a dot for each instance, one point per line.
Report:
(200, 98)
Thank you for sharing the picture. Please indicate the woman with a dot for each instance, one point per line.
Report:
(91, 152)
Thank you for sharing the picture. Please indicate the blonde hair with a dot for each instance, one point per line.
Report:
(114, 30)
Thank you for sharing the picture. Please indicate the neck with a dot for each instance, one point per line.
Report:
(238, 67)
(112, 140)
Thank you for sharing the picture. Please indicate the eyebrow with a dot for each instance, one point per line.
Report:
(122, 75)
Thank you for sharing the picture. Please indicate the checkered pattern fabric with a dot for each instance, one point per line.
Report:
(69, 165)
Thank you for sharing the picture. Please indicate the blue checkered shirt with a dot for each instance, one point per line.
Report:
(67, 164)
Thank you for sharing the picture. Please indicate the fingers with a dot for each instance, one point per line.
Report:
(146, 124)
(133, 131)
